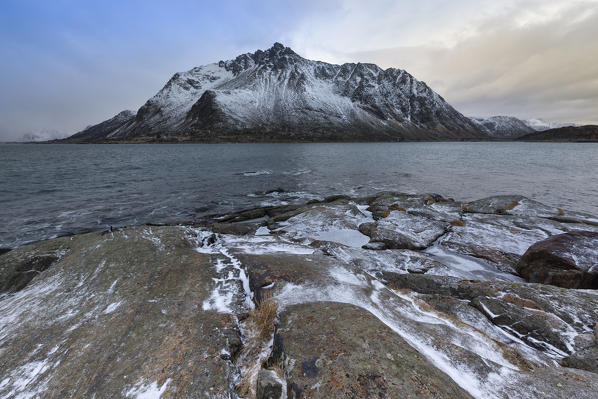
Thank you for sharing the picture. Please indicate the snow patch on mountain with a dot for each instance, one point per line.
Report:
(503, 127)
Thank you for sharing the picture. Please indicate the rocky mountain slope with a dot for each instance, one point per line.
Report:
(277, 95)
(390, 296)
(113, 125)
(503, 127)
(572, 133)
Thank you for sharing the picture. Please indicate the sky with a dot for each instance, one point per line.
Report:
(68, 64)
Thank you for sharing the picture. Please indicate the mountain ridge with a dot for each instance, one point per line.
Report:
(503, 127)
(587, 133)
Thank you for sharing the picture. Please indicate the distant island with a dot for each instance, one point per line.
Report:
(278, 96)
(570, 133)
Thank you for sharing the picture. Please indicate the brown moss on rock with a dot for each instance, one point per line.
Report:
(511, 205)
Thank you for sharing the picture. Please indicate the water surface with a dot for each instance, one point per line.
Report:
(54, 189)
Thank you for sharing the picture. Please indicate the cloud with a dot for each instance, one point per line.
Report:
(522, 58)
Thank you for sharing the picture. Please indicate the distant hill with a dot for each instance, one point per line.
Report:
(541, 125)
(503, 127)
(570, 134)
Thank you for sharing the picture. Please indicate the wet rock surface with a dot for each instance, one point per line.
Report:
(567, 260)
(338, 350)
(394, 295)
(120, 315)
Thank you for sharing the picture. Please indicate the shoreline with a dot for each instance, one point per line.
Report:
(174, 141)
(419, 289)
(212, 218)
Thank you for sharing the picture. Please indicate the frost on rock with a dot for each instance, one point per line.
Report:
(150, 391)
(166, 311)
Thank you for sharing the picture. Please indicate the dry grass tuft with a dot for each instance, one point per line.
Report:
(430, 201)
(386, 213)
(457, 222)
(260, 327)
(515, 357)
(278, 368)
(263, 315)
(511, 206)
(560, 212)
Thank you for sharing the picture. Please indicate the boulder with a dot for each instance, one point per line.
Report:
(503, 261)
(432, 206)
(545, 317)
(586, 359)
(400, 230)
(496, 204)
(513, 205)
(567, 260)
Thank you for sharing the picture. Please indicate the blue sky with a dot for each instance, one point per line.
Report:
(67, 64)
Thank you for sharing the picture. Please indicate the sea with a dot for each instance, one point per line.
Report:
(50, 190)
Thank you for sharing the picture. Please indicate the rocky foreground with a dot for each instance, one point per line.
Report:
(391, 296)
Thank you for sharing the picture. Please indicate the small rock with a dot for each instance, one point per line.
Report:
(269, 385)
(375, 246)
(367, 229)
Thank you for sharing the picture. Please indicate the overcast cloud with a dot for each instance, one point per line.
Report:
(67, 65)
(530, 59)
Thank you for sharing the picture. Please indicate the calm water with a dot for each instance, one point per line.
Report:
(50, 190)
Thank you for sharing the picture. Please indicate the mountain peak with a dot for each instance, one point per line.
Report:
(278, 50)
(277, 47)
(276, 56)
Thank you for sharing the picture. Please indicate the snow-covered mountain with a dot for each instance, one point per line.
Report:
(503, 127)
(279, 95)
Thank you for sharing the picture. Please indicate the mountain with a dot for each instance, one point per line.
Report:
(541, 125)
(106, 129)
(570, 133)
(277, 95)
(503, 127)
